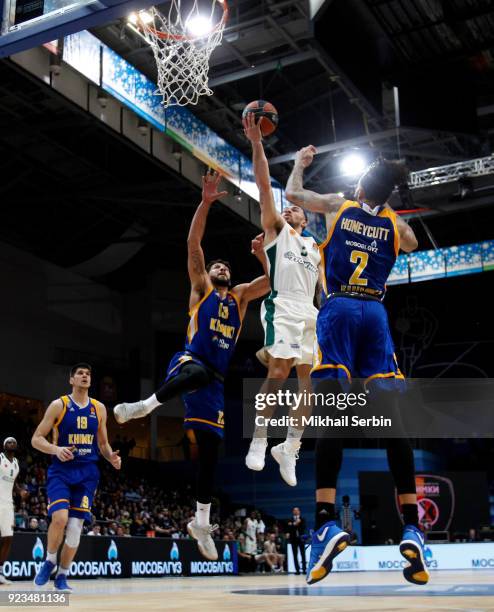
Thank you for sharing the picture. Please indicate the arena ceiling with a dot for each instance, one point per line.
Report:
(70, 187)
(326, 77)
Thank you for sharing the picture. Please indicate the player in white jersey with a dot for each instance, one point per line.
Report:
(9, 470)
(288, 313)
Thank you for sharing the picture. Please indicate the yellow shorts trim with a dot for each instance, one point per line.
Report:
(386, 375)
(204, 421)
(395, 375)
(57, 501)
(331, 365)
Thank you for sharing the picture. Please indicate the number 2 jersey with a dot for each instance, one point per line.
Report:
(360, 250)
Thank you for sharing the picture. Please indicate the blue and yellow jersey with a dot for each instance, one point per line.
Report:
(360, 250)
(77, 427)
(213, 329)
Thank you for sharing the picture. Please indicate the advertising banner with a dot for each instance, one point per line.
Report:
(114, 557)
(387, 558)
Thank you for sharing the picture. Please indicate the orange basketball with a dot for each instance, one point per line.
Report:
(266, 113)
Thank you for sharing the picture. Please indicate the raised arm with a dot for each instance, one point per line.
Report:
(247, 292)
(104, 446)
(198, 275)
(271, 220)
(257, 249)
(408, 240)
(326, 203)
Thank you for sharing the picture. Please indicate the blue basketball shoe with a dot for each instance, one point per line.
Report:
(45, 571)
(61, 584)
(412, 548)
(327, 542)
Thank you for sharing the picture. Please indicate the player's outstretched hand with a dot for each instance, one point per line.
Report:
(305, 156)
(257, 245)
(115, 460)
(64, 453)
(252, 130)
(210, 183)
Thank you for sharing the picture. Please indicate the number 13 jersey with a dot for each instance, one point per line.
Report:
(360, 250)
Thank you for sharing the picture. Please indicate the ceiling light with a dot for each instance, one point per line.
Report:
(352, 164)
(198, 26)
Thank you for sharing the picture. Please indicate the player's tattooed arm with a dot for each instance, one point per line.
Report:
(271, 220)
(196, 264)
(104, 446)
(325, 203)
(39, 440)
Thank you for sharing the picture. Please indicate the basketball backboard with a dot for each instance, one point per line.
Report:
(30, 23)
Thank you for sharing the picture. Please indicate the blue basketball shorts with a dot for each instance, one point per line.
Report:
(72, 487)
(205, 407)
(353, 340)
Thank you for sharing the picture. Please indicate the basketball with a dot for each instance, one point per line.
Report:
(267, 113)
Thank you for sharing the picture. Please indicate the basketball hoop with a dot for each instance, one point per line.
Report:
(182, 45)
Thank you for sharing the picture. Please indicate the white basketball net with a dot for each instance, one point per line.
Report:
(182, 45)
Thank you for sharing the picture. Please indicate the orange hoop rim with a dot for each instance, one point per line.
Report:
(164, 36)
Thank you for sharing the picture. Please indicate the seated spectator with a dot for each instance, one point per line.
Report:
(95, 530)
(112, 528)
(472, 535)
(33, 525)
(246, 560)
(274, 558)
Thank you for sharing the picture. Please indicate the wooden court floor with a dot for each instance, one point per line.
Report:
(459, 591)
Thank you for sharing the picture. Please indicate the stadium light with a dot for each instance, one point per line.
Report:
(352, 164)
(144, 16)
(199, 26)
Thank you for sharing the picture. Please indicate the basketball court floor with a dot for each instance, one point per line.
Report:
(455, 591)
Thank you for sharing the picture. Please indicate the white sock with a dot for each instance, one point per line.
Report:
(202, 514)
(260, 431)
(1, 569)
(62, 570)
(52, 557)
(294, 435)
(151, 403)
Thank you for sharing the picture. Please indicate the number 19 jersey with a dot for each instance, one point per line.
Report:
(360, 250)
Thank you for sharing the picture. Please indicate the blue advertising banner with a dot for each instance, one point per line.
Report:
(426, 265)
(400, 272)
(464, 259)
(118, 557)
(487, 255)
(82, 51)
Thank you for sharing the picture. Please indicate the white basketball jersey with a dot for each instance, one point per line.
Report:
(293, 262)
(8, 474)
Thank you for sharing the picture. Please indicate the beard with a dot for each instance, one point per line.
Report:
(221, 282)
